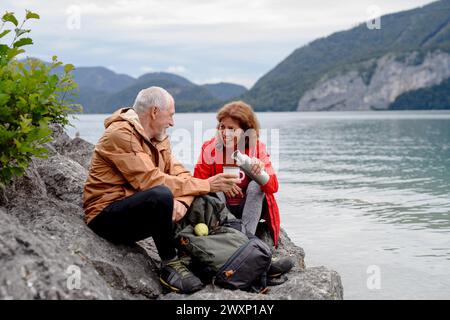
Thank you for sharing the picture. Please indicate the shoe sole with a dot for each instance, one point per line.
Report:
(277, 281)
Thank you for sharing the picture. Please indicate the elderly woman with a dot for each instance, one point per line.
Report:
(238, 129)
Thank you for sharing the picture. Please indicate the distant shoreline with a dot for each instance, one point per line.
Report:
(445, 111)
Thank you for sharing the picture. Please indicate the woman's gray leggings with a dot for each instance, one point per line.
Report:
(251, 212)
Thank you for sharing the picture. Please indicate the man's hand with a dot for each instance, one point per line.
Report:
(233, 192)
(257, 166)
(179, 210)
(223, 182)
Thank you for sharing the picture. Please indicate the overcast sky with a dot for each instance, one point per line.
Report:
(203, 40)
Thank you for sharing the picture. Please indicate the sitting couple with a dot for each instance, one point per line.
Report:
(136, 189)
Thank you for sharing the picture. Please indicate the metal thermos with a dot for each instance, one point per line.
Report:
(244, 162)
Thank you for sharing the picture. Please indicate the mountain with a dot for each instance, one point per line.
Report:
(349, 67)
(188, 96)
(101, 79)
(101, 90)
(95, 84)
(224, 90)
(92, 100)
(155, 77)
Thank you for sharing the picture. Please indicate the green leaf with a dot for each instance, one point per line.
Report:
(3, 98)
(31, 15)
(4, 33)
(3, 49)
(17, 144)
(22, 42)
(68, 67)
(43, 133)
(9, 16)
(17, 171)
(14, 52)
(20, 32)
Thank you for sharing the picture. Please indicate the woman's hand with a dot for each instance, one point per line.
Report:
(179, 211)
(256, 166)
(234, 192)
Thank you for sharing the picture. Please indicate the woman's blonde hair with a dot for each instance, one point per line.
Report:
(243, 114)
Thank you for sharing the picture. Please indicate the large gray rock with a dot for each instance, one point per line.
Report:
(45, 245)
(63, 177)
(317, 283)
(33, 266)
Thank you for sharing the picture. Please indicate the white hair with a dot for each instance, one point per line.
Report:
(152, 97)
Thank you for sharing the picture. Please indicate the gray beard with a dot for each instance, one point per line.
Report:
(160, 137)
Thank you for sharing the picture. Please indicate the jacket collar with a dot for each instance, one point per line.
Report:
(129, 115)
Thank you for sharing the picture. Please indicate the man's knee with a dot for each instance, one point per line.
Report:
(164, 192)
(162, 195)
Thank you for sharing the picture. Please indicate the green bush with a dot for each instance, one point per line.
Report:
(32, 96)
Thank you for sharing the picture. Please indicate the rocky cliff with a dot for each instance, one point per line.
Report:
(377, 83)
(45, 245)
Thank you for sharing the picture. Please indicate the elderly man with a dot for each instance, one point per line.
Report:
(136, 189)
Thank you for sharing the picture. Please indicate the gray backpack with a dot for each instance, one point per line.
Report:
(227, 256)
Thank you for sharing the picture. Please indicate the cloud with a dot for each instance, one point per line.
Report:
(176, 69)
(202, 39)
(245, 81)
(146, 69)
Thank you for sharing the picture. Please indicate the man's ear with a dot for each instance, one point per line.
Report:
(154, 112)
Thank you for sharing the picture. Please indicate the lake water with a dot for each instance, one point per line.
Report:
(364, 193)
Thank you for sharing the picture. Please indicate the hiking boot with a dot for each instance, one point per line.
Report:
(176, 277)
(279, 267)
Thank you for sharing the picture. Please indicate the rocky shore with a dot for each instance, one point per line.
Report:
(47, 252)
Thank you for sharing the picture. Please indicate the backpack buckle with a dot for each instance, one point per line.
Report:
(228, 273)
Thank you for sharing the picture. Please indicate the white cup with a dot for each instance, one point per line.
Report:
(234, 170)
